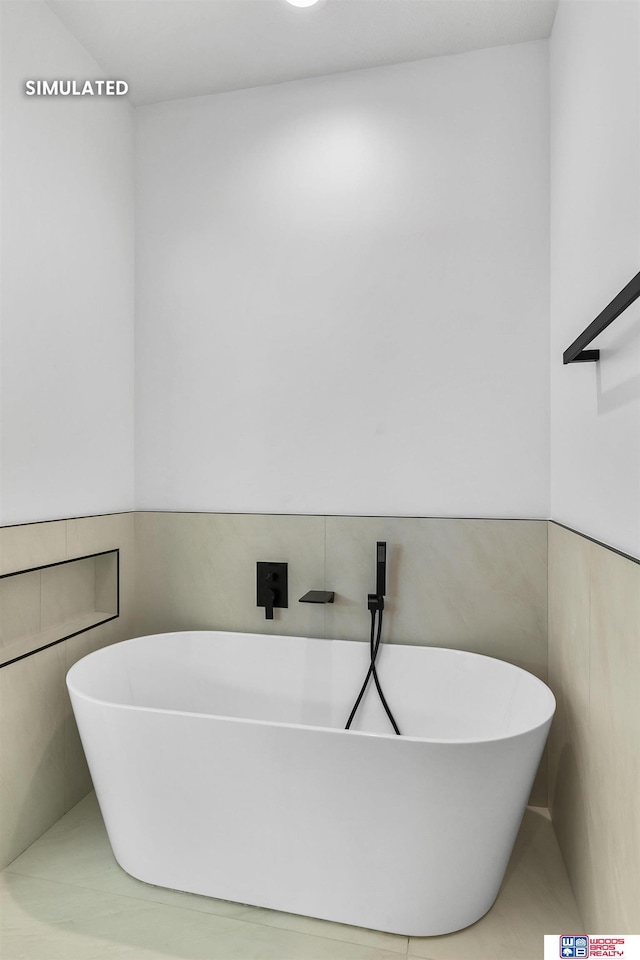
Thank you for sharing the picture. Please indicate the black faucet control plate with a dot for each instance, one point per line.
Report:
(272, 588)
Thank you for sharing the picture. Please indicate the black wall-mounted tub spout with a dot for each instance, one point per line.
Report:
(318, 596)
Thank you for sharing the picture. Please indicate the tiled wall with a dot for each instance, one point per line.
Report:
(472, 584)
(594, 746)
(42, 768)
(478, 585)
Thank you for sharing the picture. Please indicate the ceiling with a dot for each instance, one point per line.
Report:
(169, 49)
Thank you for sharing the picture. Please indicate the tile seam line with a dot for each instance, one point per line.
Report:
(324, 574)
(208, 913)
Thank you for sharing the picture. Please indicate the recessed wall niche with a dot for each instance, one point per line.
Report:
(45, 605)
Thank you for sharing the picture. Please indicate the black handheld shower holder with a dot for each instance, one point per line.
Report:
(375, 601)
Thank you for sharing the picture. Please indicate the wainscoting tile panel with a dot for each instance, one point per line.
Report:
(594, 653)
(569, 748)
(198, 571)
(31, 749)
(68, 591)
(95, 535)
(476, 585)
(19, 612)
(106, 583)
(43, 768)
(109, 531)
(614, 732)
(32, 545)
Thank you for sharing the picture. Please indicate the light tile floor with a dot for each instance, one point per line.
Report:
(65, 898)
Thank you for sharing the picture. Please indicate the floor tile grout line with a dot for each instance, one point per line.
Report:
(415, 956)
(208, 913)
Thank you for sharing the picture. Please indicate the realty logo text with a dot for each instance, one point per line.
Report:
(76, 88)
(579, 947)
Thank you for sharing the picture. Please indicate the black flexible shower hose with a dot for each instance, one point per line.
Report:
(374, 645)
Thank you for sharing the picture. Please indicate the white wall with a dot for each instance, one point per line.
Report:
(595, 251)
(67, 291)
(343, 293)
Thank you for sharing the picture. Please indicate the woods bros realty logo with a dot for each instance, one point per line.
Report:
(76, 88)
(584, 947)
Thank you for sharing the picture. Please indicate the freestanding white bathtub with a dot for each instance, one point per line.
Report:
(222, 768)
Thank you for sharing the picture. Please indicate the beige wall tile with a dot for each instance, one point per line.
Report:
(594, 657)
(32, 545)
(449, 581)
(31, 749)
(43, 768)
(569, 748)
(198, 571)
(476, 585)
(68, 592)
(614, 733)
(19, 614)
(86, 535)
(106, 583)
(109, 531)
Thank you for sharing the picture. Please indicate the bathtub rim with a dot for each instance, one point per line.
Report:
(467, 741)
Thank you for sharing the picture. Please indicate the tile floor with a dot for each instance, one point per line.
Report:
(65, 898)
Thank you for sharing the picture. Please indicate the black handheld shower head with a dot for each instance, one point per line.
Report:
(381, 568)
(375, 601)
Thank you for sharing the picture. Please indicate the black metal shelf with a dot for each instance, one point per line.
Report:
(576, 352)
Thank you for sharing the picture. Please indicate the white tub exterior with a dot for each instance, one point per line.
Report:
(221, 768)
